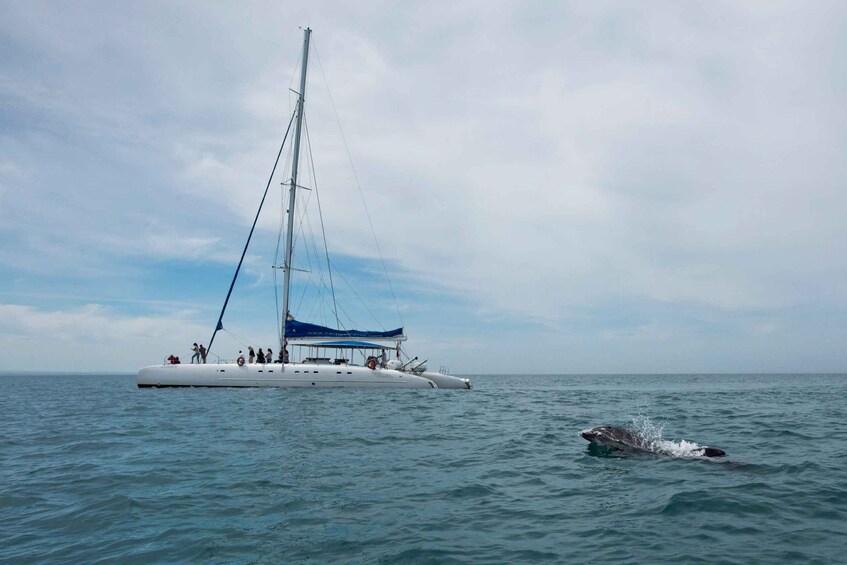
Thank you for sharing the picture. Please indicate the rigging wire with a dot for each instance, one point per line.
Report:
(365, 304)
(321, 216)
(358, 186)
(219, 325)
(306, 232)
(301, 231)
(237, 338)
(310, 247)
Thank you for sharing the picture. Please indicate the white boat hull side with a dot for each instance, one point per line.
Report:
(274, 375)
(447, 381)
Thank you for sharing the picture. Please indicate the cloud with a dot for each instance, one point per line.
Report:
(92, 337)
(527, 163)
(174, 246)
(667, 173)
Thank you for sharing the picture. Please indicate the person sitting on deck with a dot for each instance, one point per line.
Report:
(260, 358)
(269, 356)
(173, 360)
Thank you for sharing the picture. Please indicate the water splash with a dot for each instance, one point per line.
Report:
(652, 434)
(645, 427)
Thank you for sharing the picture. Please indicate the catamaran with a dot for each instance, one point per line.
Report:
(327, 356)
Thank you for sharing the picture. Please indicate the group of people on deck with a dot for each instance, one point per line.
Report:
(261, 357)
(253, 357)
(267, 356)
(199, 353)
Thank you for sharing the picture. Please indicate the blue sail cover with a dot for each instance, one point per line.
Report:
(302, 330)
(351, 345)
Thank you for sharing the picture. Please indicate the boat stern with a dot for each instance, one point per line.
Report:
(447, 381)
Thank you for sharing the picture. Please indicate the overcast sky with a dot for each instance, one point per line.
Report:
(556, 187)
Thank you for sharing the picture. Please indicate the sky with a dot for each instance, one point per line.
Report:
(555, 187)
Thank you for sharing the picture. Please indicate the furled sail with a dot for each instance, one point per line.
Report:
(302, 330)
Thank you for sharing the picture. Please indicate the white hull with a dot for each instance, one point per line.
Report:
(289, 375)
(447, 381)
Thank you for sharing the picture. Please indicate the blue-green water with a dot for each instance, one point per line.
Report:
(94, 469)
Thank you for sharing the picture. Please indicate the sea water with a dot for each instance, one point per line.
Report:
(94, 469)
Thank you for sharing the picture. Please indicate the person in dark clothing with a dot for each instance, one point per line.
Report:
(260, 357)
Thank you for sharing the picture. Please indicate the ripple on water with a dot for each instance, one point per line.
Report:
(103, 471)
(736, 501)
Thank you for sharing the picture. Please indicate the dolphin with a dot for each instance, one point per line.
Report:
(621, 439)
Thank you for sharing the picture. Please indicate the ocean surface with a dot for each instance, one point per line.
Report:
(93, 469)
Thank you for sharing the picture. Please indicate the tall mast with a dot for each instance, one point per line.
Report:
(301, 99)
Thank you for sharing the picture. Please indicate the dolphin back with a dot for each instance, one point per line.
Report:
(622, 439)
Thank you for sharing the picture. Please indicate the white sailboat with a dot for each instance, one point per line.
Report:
(326, 363)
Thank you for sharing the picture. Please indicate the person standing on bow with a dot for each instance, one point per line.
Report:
(196, 355)
(251, 355)
(202, 353)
